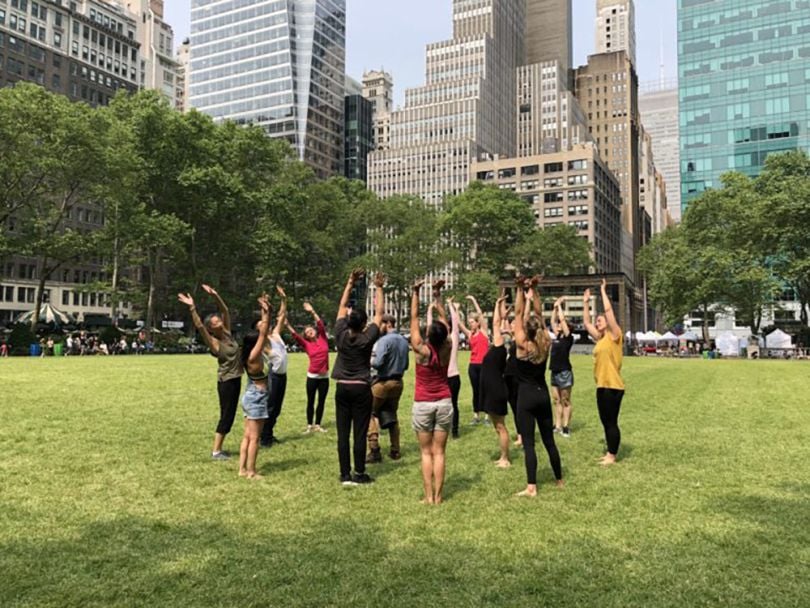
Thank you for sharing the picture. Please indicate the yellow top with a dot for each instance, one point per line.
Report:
(607, 362)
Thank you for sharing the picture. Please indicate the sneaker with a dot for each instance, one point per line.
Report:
(486, 421)
(557, 430)
(219, 456)
(394, 455)
(374, 456)
(475, 422)
(309, 430)
(362, 478)
(346, 480)
(566, 432)
(319, 429)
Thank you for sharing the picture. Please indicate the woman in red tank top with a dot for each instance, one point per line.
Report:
(479, 345)
(433, 406)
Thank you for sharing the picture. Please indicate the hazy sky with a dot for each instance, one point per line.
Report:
(381, 34)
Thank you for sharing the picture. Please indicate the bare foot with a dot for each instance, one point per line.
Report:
(255, 476)
(608, 460)
(503, 463)
(426, 501)
(560, 483)
(527, 494)
(519, 441)
(437, 500)
(243, 473)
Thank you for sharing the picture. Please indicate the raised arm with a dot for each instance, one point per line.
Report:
(454, 327)
(379, 298)
(464, 329)
(537, 300)
(210, 341)
(417, 344)
(484, 326)
(223, 309)
(613, 325)
(295, 335)
(497, 336)
(343, 307)
(586, 315)
(256, 353)
(308, 308)
(520, 310)
(562, 323)
(281, 319)
(437, 302)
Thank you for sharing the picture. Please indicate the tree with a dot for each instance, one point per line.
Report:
(404, 241)
(784, 207)
(484, 222)
(554, 251)
(53, 164)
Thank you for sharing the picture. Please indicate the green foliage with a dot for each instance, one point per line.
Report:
(112, 500)
(554, 251)
(20, 338)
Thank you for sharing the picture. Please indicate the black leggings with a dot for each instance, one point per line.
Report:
(321, 386)
(512, 393)
(609, 402)
(474, 373)
(228, 402)
(352, 414)
(278, 388)
(534, 405)
(455, 389)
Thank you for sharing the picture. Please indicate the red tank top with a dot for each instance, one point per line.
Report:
(479, 345)
(431, 380)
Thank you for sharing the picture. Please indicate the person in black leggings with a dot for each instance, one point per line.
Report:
(533, 402)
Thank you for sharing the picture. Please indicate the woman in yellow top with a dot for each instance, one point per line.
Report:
(607, 370)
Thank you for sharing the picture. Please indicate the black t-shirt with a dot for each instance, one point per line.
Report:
(560, 353)
(354, 352)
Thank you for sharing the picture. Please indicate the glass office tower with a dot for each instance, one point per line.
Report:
(278, 64)
(744, 86)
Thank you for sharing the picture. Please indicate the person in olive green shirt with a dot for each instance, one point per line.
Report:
(607, 370)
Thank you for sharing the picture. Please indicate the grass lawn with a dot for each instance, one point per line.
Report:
(109, 498)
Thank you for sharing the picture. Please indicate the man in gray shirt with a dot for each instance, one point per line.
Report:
(390, 360)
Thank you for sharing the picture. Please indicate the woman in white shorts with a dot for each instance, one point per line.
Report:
(433, 405)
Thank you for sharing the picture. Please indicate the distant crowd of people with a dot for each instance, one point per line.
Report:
(507, 370)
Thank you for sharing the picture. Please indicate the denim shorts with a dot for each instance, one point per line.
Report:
(255, 403)
(563, 379)
(429, 416)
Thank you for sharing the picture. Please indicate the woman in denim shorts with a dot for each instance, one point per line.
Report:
(562, 374)
(255, 400)
(433, 404)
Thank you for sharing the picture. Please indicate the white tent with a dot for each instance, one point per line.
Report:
(669, 337)
(728, 344)
(653, 336)
(641, 337)
(778, 339)
(47, 314)
(689, 337)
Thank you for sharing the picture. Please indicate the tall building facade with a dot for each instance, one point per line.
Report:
(744, 81)
(549, 33)
(466, 107)
(658, 106)
(616, 27)
(378, 88)
(359, 136)
(182, 58)
(607, 89)
(277, 64)
(158, 67)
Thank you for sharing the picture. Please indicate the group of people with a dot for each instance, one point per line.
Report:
(507, 370)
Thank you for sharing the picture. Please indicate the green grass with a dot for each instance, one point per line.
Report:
(109, 498)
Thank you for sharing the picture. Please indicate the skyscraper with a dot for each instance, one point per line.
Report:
(465, 108)
(278, 65)
(616, 27)
(744, 83)
(658, 106)
(378, 88)
(549, 33)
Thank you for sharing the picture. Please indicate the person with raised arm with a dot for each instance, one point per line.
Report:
(315, 344)
(256, 398)
(562, 374)
(534, 404)
(355, 340)
(493, 390)
(607, 370)
(432, 403)
(477, 338)
(276, 351)
(216, 333)
(453, 375)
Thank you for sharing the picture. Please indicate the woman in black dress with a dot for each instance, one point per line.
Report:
(493, 392)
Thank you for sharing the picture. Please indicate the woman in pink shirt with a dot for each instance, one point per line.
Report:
(453, 375)
(479, 345)
(316, 345)
(432, 404)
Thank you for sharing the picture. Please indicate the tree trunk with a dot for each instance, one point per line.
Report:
(114, 283)
(150, 301)
(706, 337)
(40, 293)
